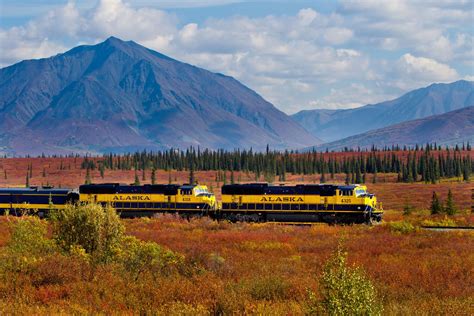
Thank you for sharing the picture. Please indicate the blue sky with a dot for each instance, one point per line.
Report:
(297, 54)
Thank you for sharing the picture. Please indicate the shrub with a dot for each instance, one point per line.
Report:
(269, 288)
(29, 238)
(96, 229)
(28, 245)
(139, 256)
(440, 223)
(402, 227)
(344, 290)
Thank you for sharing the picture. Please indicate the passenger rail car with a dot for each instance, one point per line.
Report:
(146, 200)
(17, 201)
(260, 202)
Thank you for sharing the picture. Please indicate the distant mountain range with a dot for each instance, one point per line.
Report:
(332, 125)
(450, 128)
(118, 96)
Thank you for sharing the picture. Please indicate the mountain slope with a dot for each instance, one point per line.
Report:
(331, 125)
(120, 96)
(450, 128)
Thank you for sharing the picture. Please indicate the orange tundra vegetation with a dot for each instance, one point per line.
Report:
(202, 267)
(207, 267)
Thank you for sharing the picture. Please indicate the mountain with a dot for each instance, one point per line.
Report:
(455, 127)
(331, 125)
(119, 96)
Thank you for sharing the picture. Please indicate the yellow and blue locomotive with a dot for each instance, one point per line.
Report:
(260, 202)
(149, 199)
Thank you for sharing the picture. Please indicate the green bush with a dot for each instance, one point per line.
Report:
(96, 229)
(28, 245)
(402, 227)
(29, 238)
(139, 256)
(344, 290)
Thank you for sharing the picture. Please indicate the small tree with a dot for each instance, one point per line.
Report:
(450, 208)
(27, 182)
(323, 177)
(153, 176)
(96, 229)
(191, 176)
(88, 177)
(435, 207)
(407, 208)
(345, 290)
(137, 180)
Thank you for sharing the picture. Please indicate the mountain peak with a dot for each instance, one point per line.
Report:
(120, 96)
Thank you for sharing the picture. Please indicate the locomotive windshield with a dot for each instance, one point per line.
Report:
(360, 192)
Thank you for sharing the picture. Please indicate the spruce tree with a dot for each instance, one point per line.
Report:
(153, 176)
(88, 177)
(323, 177)
(137, 180)
(435, 207)
(27, 183)
(465, 174)
(450, 208)
(191, 176)
(374, 178)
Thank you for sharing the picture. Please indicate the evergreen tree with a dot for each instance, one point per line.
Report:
(323, 178)
(465, 174)
(450, 208)
(192, 180)
(435, 207)
(27, 183)
(88, 177)
(374, 178)
(232, 177)
(143, 174)
(137, 179)
(358, 178)
(153, 176)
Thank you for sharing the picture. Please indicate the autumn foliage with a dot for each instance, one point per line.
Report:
(168, 265)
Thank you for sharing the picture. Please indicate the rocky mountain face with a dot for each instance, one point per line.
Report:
(118, 96)
(331, 125)
(455, 127)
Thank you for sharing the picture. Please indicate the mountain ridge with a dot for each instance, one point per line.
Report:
(118, 95)
(437, 98)
(451, 128)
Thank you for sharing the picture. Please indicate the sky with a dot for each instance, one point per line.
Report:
(297, 54)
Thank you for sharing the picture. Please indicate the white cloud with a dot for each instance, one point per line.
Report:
(304, 60)
(413, 71)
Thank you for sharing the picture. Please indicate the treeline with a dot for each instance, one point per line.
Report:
(427, 164)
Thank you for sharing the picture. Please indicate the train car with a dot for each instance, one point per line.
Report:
(34, 200)
(147, 200)
(260, 202)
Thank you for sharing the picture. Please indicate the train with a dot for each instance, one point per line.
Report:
(252, 202)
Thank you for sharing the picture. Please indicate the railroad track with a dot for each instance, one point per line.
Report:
(449, 228)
